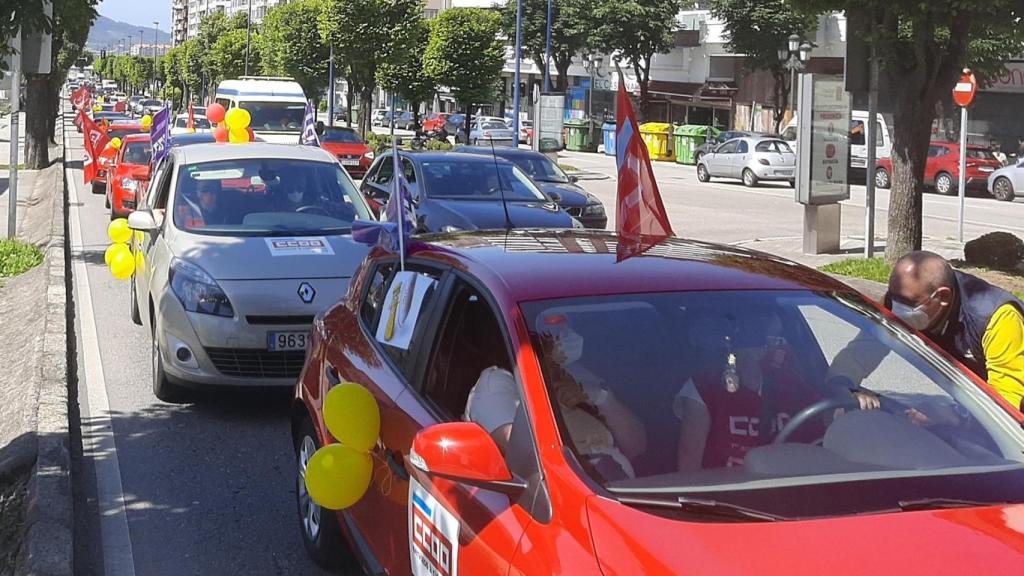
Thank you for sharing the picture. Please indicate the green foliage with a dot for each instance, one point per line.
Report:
(16, 257)
(226, 58)
(438, 145)
(291, 45)
(465, 54)
(407, 77)
(572, 23)
(868, 268)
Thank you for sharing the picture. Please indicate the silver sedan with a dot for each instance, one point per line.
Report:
(750, 160)
(1004, 184)
(487, 131)
(238, 247)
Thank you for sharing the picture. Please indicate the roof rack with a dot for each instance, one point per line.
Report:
(265, 78)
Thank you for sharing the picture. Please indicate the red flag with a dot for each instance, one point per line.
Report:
(191, 124)
(95, 139)
(640, 218)
(79, 98)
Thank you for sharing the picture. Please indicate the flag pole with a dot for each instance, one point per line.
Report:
(396, 193)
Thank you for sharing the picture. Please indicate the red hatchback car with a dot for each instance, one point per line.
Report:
(548, 410)
(128, 175)
(107, 156)
(435, 121)
(942, 170)
(348, 146)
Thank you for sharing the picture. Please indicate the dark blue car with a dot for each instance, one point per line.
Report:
(553, 181)
(454, 191)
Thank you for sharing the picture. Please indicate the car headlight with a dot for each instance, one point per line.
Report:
(369, 155)
(130, 184)
(198, 291)
(449, 228)
(596, 209)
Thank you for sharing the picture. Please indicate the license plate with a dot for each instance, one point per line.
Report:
(350, 162)
(784, 172)
(283, 341)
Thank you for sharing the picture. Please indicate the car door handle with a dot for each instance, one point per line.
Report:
(397, 466)
(333, 378)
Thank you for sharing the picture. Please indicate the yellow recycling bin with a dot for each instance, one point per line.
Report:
(657, 137)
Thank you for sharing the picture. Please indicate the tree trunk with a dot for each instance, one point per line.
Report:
(37, 108)
(562, 66)
(469, 121)
(912, 120)
(781, 101)
(643, 77)
(365, 109)
(348, 103)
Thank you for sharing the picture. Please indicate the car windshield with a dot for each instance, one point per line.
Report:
(773, 146)
(540, 168)
(275, 116)
(115, 132)
(199, 123)
(747, 397)
(137, 153)
(266, 197)
(454, 180)
(152, 103)
(343, 136)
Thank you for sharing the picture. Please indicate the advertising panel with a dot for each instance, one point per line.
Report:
(824, 153)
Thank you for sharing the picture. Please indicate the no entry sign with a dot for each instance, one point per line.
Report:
(963, 92)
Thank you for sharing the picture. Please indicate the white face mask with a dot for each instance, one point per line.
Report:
(295, 197)
(917, 318)
(571, 345)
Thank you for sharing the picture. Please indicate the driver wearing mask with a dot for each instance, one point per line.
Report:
(291, 193)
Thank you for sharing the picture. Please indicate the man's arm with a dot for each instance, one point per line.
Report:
(1003, 344)
(858, 359)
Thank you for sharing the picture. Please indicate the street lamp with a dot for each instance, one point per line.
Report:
(156, 40)
(794, 58)
(592, 64)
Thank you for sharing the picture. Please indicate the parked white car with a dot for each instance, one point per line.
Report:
(202, 124)
(750, 160)
(1005, 183)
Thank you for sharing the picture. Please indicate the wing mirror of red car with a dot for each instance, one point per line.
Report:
(463, 452)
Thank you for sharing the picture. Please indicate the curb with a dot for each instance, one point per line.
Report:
(48, 548)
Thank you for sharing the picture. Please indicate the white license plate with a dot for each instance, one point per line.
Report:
(784, 172)
(283, 341)
(350, 162)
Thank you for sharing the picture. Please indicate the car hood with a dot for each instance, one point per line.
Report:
(571, 195)
(251, 258)
(959, 541)
(484, 215)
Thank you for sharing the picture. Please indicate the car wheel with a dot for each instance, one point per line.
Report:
(136, 316)
(702, 173)
(882, 179)
(944, 184)
(162, 387)
(749, 178)
(1002, 189)
(321, 533)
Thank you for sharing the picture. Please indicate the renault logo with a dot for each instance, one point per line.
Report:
(306, 292)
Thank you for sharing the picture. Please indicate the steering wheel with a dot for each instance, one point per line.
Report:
(820, 407)
(313, 209)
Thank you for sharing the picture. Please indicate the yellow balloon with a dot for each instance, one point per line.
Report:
(140, 262)
(238, 136)
(147, 121)
(112, 251)
(139, 238)
(97, 108)
(238, 119)
(122, 265)
(338, 476)
(116, 143)
(118, 231)
(352, 416)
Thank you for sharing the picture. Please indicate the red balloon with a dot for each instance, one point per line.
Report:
(252, 135)
(220, 133)
(215, 113)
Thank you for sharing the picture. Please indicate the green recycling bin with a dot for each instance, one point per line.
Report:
(577, 135)
(688, 138)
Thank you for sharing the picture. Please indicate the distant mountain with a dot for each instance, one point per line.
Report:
(107, 32)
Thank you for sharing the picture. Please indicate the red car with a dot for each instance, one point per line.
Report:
(546, 409)
(435, 121)
(942, 170)
(109, 153)
(348, 146)
(128, 176)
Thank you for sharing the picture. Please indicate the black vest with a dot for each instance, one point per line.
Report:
(977, 302)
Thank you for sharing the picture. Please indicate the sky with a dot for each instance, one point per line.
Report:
(138, 11)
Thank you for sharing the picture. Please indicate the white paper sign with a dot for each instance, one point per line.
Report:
(433, 535)
(300, 246)
(402, 306)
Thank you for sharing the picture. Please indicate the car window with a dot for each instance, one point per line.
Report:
(980, 154)
(161, 184)
(728, 147)
(742, 147)
(776, 146)
(373, 300)
(699, 392)
(385, 172)
(266, 197)
(858, 133)
(137, 153)
(396, 308)
(459, 180)
(275, 116)
(540, 168)
(491, 125)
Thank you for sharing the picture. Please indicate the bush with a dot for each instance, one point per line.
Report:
(995, 250)
(16, 257)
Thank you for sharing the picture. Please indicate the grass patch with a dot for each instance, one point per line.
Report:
(16, 257)
(568, 168)
(870, 269)
(8, 166)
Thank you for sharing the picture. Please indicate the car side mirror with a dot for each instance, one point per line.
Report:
(555, 196)
(573, 179)
(143, 221)
(463, 452)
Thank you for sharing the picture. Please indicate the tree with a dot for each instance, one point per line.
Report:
(637, 30)
(465, 54)
(226, 58)
(758, 30)
(571, 25)
(408, 78)
(367, 34)
(921, 48)
(291, 45)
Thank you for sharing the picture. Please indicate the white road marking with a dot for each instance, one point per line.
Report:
(98, 434)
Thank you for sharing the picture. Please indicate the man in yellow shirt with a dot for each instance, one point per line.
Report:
(979, 324)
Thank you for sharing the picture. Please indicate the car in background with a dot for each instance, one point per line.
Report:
(942, 168)
(128, 175)
(200, 122)
(107, 155)
(525, 130)
(120, 96)
(406, 121)
(454, 191)
(750, 160)
(150, 106)
(713, 142)
(435, 121)
(133, 103)
(455, 123)
(534, 423)
(487, 130)
(350, 149)
(1004, 183)
(244, 245)
(105, 119)
(377, 116)
(553, 181)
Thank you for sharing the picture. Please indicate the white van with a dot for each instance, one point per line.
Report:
(858, 148)
(277, 106)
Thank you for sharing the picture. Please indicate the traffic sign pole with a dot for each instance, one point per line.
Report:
(963, 95)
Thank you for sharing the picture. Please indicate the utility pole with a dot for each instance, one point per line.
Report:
(12, 194)
(547, 52)
(248, 36)
(869, 171)
(515, 89)
(330, 88)
(156, 40)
